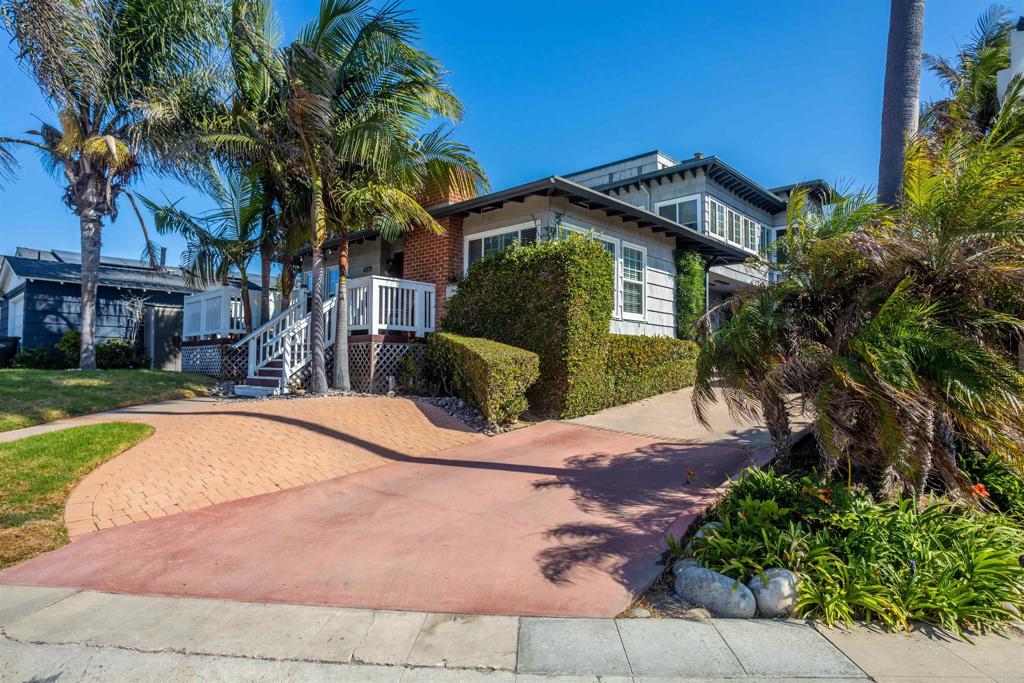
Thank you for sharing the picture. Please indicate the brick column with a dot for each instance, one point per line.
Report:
(435, 258)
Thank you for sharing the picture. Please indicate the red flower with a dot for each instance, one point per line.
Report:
(980, 490)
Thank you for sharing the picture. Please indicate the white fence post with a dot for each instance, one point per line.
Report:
(372, 303)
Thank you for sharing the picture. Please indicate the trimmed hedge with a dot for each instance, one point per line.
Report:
(554, 299)
(640, 367)
(492, 376)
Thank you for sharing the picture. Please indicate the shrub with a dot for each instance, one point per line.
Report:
(118, 353)
(638, 367)
(70, 344)
(40, 358)
(492, 376)
(690, 294)
(554, 299)
(1003, 484)
(857, 559)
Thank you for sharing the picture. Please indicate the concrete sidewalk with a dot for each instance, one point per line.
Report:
(64, 634)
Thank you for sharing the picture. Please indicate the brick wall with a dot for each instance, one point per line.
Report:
(435, 258)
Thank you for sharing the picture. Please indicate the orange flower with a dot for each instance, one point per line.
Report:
(980, 490)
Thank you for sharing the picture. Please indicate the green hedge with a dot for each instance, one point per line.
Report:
(691, 298)
(492, 376)
(639, 367)
(554, 299)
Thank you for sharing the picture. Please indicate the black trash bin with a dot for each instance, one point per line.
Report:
(8, 347)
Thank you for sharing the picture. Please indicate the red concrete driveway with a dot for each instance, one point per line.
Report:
(555, 519)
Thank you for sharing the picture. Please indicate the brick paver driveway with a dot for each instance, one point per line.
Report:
(556, 519)
(204, 452)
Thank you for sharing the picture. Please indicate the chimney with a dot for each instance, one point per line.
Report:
(698, 155)
(163, 256)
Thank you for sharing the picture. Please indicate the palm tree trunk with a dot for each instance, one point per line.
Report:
(342, 381)
(91, 229)
(246, 303)
(901, 99)
(776, 419)
(266, 260)
(318, 380)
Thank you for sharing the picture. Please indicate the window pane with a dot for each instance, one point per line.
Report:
(688, 214)
(610, 248)
(332, 282)
(632, 264)
(632, 297)
(668, 211)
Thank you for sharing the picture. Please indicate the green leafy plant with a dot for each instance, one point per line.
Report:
(691, 296)
(564, 318)
(40, 358)
(492, 376)
(895, 562)
(70, 344)
(637, 367)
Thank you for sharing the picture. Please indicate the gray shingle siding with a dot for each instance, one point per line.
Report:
(51, 309)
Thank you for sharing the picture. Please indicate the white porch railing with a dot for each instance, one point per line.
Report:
(385, 304)
(376, 305)
(217, 312)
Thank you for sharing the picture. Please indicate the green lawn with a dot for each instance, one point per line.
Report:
(29, 397)
(38, 473)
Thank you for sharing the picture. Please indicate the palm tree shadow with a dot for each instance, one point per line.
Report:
(634, 499)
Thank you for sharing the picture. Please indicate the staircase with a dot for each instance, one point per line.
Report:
(279, 350)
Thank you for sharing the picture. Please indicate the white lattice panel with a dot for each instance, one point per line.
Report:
(202, 360)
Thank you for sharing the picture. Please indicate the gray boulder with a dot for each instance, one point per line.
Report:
(777, 597)
(684, 563)
(723, 597)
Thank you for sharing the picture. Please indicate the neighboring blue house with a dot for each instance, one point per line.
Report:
(40, 300)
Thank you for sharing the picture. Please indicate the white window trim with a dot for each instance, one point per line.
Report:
(643, 284)
(712, 200)
(491, 233)
(11, 331)
(680, 200)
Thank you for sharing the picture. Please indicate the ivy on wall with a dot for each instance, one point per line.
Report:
(690, 295)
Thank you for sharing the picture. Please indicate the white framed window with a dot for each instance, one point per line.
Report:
(716, 219)
(683, 210)
(16, 316)
(751, 235)
(332, 280)
(634, 281)
(484, 244)
(735, 229)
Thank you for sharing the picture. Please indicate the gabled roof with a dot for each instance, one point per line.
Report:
(66, 267)
(587, 198)
(718, 171)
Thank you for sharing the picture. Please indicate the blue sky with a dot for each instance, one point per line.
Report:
(783, 91)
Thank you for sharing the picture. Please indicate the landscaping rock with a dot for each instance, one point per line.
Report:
(684, 563)
(695, 613)
(639, 613)
(723, 597)
(776, 598)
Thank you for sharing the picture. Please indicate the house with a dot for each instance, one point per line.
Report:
(40, 300)
(641, 208)
(1016, 67)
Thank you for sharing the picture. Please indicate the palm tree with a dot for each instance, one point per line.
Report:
(358, 92)
(222, 239)
(900, 101)
(383, 197)
(248, 127)
(973, 104)
(119, 75)
(891, 326)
